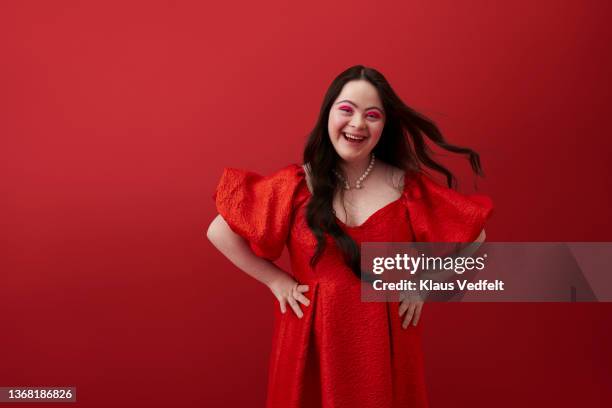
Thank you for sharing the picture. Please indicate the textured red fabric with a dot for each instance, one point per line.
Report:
(343, 352)
(258, 208)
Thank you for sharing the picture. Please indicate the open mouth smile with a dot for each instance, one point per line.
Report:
(353, 138)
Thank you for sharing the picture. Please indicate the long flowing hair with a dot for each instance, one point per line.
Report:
(402, 144)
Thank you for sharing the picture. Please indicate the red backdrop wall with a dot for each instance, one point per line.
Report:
(118, 117)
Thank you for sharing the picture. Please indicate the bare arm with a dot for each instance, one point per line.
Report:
(237, 250)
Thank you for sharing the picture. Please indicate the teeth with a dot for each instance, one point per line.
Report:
(348, 135)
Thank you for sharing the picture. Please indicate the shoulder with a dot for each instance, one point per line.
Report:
(442, 214)
(397, 176)
(290, 173)
(418, 184)
(259, 207)
(236, 183)
(393, 176)
(423, 187)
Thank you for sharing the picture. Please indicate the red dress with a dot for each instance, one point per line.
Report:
(343, 352)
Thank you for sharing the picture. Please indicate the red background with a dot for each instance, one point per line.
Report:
(118, 117)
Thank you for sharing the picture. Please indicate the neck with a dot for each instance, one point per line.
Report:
(355, 169)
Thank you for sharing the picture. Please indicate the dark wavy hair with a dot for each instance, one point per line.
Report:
(402, 144)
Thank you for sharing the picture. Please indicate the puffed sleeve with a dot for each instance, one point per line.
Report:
(440, 214)
(258, 208)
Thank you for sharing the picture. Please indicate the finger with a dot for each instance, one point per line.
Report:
(302, 288)
(408, 318)
(301, 298)
(403, 307)
(409, 315)
(417, 314)
(283, 307)
(296, 308)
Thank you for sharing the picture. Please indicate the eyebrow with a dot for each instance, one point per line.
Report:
(355, 105)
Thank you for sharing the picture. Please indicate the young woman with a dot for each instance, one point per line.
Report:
(362, 181)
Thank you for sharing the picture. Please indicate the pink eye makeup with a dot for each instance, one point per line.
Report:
(370, 114)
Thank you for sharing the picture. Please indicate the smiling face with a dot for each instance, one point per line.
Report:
(356, 121)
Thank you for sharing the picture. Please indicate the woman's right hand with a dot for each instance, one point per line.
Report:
(288, 291)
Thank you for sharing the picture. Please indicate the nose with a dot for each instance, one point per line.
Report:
(357, 122)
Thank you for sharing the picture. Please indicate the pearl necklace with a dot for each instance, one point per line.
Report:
(360, 179)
